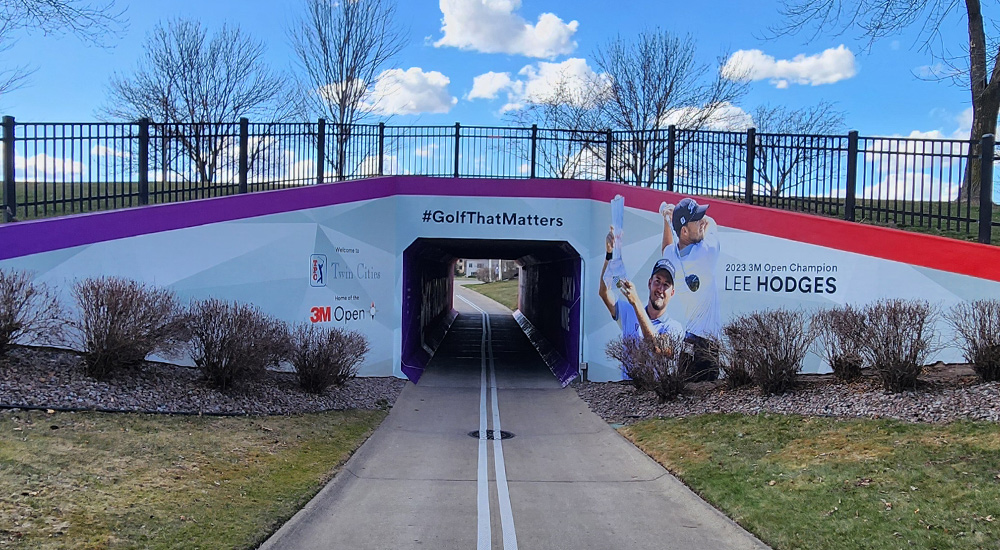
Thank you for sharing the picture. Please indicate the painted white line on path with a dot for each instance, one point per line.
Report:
(484, 539)
(503, 493)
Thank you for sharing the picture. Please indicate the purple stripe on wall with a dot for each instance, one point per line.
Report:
(32, 237)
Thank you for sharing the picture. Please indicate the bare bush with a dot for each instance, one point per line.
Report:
(652, 365)
(735, 362)
(898, 338)
(28, 311)
(484, 274)
(977, 329)
(326, 356)
(771, 345)
(839, 335)
(121, 321)
(233, 342)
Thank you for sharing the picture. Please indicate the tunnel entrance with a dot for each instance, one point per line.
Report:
(548, 309)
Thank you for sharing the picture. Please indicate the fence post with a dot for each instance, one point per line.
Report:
(671, 148)
(458, 134)
(986, 189)
(751, 159)
(244, 153)
(607, 155)
(9, 189)
(143, 161)
(534, 148)
(341, 141)
(320, 150)
(381, 148)
(850, 199)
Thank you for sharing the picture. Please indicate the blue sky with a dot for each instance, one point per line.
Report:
(449, 43)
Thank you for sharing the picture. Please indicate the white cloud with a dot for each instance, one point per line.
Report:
(922, 166)
(411, 92)
(488, 85)
(390, 165)
(512, 106)
(833, 65)
(304, 169)
(571, 81)
(724, 117)
(105, 151)
(936, 71)
(964, 120)
(583, 164)
(428, 151)
(961, 132)
(45, 168)
(491, 26)
(912, 186)
(906, 154)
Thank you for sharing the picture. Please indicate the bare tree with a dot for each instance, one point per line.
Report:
(95, 23)
(791, 148)
(342, 48)
(656, 81)
(198, 87)
(568, 143)
(877, 19)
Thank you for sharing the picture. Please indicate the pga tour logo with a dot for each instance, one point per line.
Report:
(317, 270)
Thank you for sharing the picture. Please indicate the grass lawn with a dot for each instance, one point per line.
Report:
(823, 483)
(504, 292)
(96, 480)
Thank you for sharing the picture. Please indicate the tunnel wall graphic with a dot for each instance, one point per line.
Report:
(550, 304)
(427, 309)
(333, 254)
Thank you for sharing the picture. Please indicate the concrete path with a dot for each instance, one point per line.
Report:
(565, 480)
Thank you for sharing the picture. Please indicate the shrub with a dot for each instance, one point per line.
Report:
(770, 345)
(977, 329)
(28, 311)
(121, 321)
(326, 356)
(483, 274)
(653, 365)
(839, 335)
(898, 339)
(233, 343)
(735, 359)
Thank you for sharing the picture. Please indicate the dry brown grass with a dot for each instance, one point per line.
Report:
(93, 480)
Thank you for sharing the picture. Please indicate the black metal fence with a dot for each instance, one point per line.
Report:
(61, 168)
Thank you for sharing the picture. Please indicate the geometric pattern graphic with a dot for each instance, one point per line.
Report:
(258, 248)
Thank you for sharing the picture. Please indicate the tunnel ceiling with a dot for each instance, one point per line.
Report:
(528, 252)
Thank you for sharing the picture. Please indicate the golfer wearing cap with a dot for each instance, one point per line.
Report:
(695, 255)
(638, 319)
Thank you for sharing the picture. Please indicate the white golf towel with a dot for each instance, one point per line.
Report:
(616, 268)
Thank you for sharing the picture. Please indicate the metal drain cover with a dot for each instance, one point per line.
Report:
(492, 434)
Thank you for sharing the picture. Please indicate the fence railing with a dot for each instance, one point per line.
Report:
(62, 168)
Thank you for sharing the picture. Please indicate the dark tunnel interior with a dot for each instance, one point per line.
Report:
(548, 305)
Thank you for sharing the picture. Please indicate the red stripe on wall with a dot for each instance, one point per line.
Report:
(951, 255)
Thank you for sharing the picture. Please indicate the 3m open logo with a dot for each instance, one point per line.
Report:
(339, 314)
(317, 270)
(320, 314)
